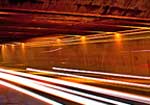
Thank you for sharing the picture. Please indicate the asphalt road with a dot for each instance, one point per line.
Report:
(73, 89)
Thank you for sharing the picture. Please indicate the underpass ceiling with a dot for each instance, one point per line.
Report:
(133, 8)
(26, 18)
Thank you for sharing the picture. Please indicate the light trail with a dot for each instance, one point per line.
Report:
(128, 96)
(81, 93)
(102, 73)
(31, 84)
(91, 78)
(50, 51)
(101, 36)
(141, 51)
(84, 94)
(51, 102)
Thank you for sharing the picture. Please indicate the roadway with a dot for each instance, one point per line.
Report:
(59, 86)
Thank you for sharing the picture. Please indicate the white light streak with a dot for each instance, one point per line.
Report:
(81, 93)
(91, 78)
(114, 93)
(102, 73)
(31, 84)
(51, 102)
(84, 94)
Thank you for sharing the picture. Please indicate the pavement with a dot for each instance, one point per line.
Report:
(9, 96)
(71, 87)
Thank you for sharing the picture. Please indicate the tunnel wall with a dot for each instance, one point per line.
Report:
(128, 57)
(132, 8)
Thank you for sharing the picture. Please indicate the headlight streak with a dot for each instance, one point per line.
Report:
(91, 78)
(80, 93)
(102, 73)
(44, 99)
(122, 95)
(83, 94)
(31, 84)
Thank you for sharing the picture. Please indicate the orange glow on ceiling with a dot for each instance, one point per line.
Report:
(83, 39)
(118, 37)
